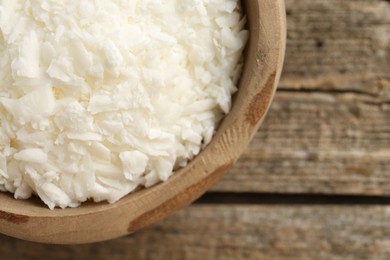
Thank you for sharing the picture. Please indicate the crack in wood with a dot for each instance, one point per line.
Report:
(326, 91)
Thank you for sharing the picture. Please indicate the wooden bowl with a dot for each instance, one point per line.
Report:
(31, 220)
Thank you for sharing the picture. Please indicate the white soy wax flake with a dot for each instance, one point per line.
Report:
(101, 98)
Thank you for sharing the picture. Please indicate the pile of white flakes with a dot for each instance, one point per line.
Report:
(99, 98)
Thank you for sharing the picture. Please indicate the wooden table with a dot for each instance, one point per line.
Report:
(315, 182)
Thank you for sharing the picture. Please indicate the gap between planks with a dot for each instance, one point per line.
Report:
(250, 198)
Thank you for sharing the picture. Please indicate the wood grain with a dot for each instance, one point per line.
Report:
(318, 142)
(239, 232)
(338, 45)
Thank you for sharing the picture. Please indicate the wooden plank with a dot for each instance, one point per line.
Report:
(329, 128)
(318, 142)
(342, 45)
(239, 232)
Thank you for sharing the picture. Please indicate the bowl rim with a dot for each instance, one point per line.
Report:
(93, 222)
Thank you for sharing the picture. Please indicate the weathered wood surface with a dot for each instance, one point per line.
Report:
(318, 142)
(338, 45)
(328, 130)
(239, 232)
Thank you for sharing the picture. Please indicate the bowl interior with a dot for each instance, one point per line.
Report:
(31, 220)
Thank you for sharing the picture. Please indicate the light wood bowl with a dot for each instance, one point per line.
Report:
(31, 220)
